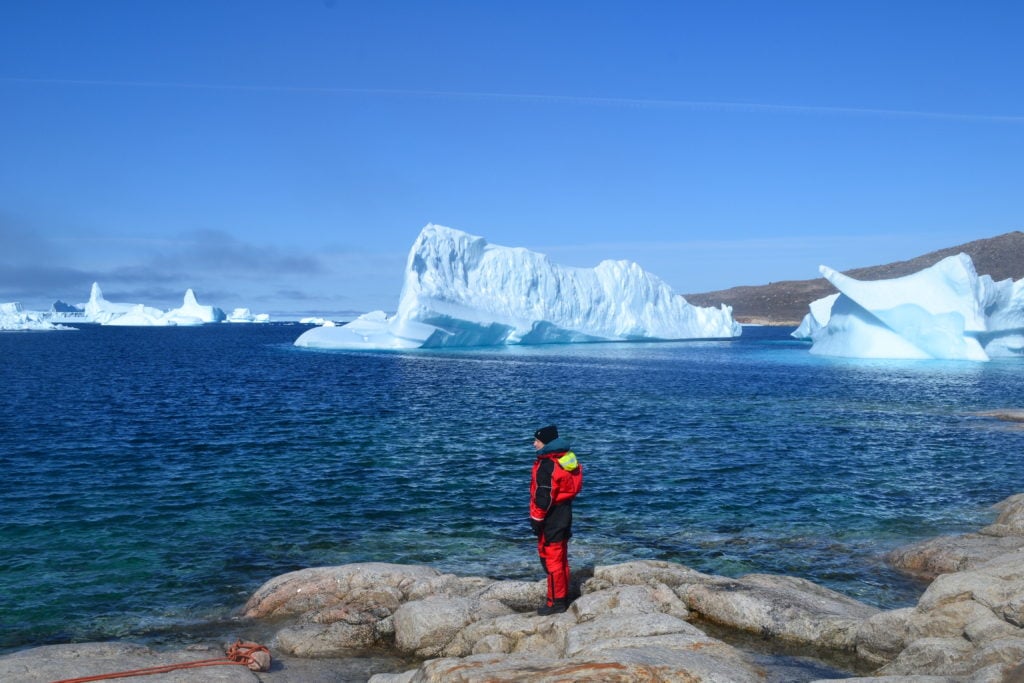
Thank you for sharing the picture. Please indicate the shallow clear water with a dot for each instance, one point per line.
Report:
(155, 477)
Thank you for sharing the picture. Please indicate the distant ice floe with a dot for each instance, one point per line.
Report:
(944, 312)
(316, 320)
(99, 310)
(244, 315)
(191, 312)
(460, 291)
(14, 317)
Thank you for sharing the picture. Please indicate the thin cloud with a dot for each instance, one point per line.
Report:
(19, 281)
(742, 244)
(139, 274)
(214, 251)
(633, 102)
(155, 271)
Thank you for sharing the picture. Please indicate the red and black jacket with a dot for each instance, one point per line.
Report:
(557, 480)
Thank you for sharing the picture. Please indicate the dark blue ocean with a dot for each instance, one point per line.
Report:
(154, 478)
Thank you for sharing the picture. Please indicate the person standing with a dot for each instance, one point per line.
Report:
(556, 481)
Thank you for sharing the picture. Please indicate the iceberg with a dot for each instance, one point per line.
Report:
(244, 315)
(461, 291)
(316, 320)
(62, 312)
(99, 310)
(13, 316)
(817, 318)
(192, 312)
(138, 316)
(946, 311)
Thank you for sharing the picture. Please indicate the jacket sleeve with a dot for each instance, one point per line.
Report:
(542, 494)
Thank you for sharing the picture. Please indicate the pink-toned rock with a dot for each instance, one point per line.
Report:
(615, 666)
(948, 554)
(425, 627)
(785, 608)
(322, 589)
(58, 662)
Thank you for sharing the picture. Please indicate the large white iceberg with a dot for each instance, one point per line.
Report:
(946, 312)
(461, 291)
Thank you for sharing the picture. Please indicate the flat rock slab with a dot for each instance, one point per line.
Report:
(626, 666)
(948, 554)
(785, 608)
(58, 662)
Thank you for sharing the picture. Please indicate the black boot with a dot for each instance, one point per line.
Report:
(556, 607)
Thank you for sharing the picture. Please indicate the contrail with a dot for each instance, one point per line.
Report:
(691, 105)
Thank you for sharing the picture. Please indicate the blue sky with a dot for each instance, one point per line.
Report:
(283, 156)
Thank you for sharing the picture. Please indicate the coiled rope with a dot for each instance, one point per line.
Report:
(252, 655)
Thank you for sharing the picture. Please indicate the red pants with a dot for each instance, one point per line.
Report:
(554, 557)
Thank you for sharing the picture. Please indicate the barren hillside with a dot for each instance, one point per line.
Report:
(785, 303)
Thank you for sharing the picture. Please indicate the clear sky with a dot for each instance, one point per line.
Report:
(283, 155)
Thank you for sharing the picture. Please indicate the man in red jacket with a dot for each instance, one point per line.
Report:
(557, 479)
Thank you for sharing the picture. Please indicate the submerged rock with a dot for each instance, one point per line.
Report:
(946, 554)
(970, 620)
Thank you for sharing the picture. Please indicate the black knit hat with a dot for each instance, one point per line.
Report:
(546, 434)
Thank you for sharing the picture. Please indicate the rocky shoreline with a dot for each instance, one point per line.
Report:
(644, 620)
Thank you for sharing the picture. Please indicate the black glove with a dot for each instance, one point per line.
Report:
(537, 526)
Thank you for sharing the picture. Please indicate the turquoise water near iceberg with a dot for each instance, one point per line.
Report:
(154, 478)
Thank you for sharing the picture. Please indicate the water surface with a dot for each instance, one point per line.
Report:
(156, 477)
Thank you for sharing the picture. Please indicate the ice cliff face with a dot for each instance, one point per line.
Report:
(817, 318)
(946, 311)
(461, 291)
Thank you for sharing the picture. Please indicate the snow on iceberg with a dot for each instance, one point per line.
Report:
(461, 291)
(946, 312)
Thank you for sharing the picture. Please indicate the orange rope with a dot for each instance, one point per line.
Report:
(240, 654)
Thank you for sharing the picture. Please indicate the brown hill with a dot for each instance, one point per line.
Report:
(785, 303)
